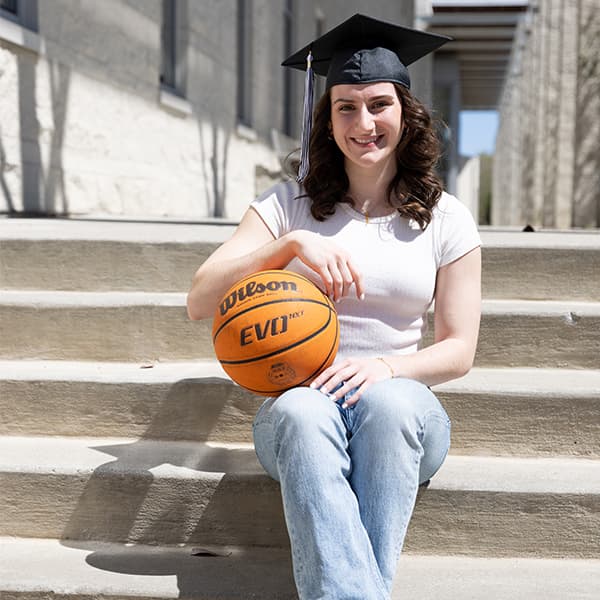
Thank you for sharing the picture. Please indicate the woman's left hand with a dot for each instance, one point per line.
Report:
(357, 373)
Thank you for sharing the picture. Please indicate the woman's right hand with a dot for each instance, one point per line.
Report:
(253, 248)
(332, 263)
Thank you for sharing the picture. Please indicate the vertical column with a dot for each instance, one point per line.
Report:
(529, 109)
(567, 113)
(539, 82)
(586, 193)
(503, 163)
(551, 23)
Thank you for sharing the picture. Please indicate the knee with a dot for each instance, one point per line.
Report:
(398, 405)
(301, 410)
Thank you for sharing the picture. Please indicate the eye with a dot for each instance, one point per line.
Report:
(345, 107)
(379, 104)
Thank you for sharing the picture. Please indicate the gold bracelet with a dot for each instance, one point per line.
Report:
(387, 364)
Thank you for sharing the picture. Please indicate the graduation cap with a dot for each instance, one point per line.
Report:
(359, 50)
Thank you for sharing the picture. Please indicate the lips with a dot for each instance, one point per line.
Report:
(366, 141)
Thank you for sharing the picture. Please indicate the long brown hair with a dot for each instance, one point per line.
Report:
(414, 190)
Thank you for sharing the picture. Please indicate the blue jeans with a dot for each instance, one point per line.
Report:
(349, 480)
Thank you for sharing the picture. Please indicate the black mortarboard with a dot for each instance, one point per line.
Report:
(360, 50)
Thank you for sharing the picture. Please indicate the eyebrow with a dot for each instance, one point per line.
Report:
(380, 97)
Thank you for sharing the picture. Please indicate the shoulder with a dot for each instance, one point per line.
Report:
(283, 207)
(454, 229)
(450, 205)
(282, 192)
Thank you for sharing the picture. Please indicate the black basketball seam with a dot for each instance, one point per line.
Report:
(251, 308)
(311, 375)
(327, 358)
(280, 350)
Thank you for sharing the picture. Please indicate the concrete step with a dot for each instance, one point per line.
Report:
(545, 265)
(32, 569)
(139, 326)
(106, 256)
(494, 411)
(143, 491)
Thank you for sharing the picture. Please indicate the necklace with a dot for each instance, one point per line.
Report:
(364, 209)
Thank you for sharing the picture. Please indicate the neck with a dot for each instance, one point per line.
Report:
(368, 188)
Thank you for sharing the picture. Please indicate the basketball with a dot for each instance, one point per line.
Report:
(275, 330)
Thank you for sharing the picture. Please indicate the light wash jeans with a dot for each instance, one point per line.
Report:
(349, 480)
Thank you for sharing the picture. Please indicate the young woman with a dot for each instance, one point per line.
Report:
(371, 225)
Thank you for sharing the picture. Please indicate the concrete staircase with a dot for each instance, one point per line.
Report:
(126, 464)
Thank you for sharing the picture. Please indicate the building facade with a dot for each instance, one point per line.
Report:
(547, 159)
(155, 108)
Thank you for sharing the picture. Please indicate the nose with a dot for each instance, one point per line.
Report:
(365, 121)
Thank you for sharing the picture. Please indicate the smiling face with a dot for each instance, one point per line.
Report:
(366, 122)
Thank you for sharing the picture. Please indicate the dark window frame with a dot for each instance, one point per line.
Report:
(173, 47)
(22, 12)
(244, 105)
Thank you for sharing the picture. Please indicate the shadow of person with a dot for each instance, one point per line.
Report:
(164, 489)
(233, 573)
(177, 506)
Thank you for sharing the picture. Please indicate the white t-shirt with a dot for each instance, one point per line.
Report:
(397, 259)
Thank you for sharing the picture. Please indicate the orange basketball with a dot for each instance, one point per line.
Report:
(275, 330)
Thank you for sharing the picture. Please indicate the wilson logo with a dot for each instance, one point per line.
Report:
(251, 289)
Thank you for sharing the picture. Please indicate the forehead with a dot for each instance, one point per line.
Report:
(362, 90)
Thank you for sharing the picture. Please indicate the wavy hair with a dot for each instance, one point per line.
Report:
(415, 189)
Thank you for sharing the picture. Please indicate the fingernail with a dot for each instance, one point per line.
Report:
(362, 297)
(323, 390)
(345, 405)
(313, 385)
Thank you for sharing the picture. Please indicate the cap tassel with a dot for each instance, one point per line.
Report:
(307, 111)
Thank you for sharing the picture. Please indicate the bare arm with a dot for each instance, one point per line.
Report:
(253, 248)
(456, 321)
(457, 315)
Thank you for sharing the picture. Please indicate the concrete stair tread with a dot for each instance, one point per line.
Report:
(114, 230)
(107, 229)
(60, 298)
(65, 299)
(554, 239)
(35, 568)
(522, 381)
(111, 255)
(109, 372)
(134, 326)
(164, 459)
(527, 381)
(80, 455)
(494, 411)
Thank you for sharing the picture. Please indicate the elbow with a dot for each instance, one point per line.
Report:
(463, 368)
(193, 310)
(465, 363)
(192, 314)
(464, 359)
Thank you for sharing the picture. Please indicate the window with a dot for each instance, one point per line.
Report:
(174, 46)
(9, 6)
(244, 62)
(289, 88)
(19, 23)
(23, 12)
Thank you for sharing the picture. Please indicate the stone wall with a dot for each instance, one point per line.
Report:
(85, 127)
(547, 161)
